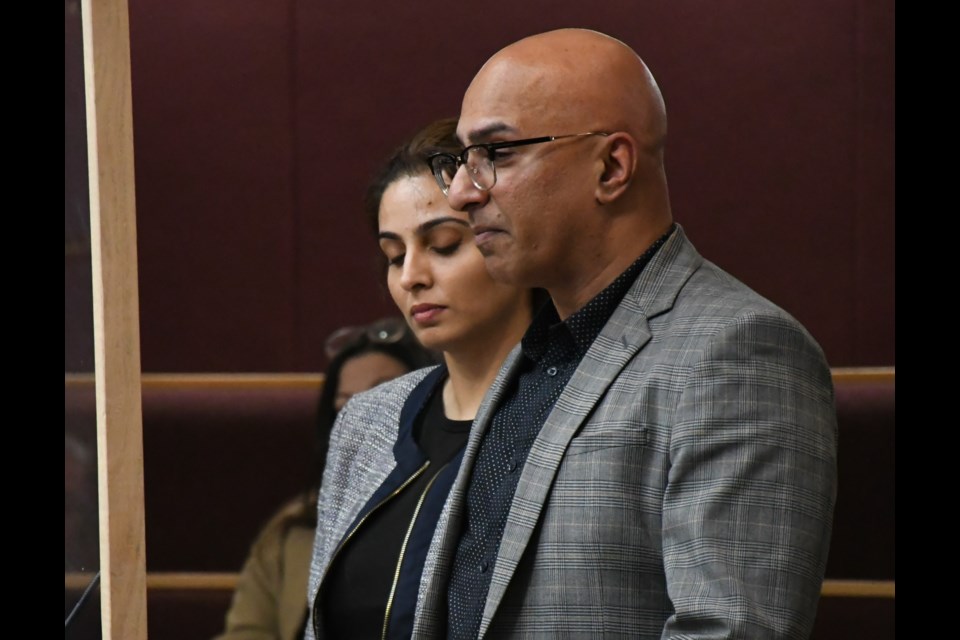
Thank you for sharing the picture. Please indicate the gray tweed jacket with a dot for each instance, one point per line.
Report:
(682, 487)
(360, 458)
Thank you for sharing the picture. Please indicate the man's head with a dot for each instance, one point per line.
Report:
(565, 214)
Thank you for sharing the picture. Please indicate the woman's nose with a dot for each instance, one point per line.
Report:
(416, 271)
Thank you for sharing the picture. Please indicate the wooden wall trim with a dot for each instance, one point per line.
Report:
(232, 380)
(841, 375)
(228, 581)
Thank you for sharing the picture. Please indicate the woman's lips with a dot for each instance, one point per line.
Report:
(426, 313)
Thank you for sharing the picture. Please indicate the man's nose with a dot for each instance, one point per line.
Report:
(462, 192)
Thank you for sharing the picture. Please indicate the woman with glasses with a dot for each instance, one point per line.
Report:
(395, 450)
(269, 602)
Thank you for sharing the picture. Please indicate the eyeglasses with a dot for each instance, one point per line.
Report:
(383, 331)
(480, 160)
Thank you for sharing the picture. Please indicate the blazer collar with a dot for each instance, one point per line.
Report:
(407, 454)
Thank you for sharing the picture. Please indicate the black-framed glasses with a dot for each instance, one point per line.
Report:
(479, 159)
(383, 331)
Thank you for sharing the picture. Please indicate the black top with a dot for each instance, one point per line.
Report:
(551, 352)
(359, 582)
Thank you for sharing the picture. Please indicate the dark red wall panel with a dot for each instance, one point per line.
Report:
(213, 93)
(258, 123)
(875, 188)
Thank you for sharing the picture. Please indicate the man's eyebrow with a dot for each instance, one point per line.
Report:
(488, 131)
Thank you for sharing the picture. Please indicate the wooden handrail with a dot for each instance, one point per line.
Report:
(849, 588)
(863, 374)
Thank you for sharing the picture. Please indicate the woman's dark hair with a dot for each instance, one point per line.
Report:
(410, 160)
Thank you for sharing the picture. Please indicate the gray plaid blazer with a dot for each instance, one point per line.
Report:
(683, 485)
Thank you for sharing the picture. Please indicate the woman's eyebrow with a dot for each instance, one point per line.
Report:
(423, 228)
(430, 224)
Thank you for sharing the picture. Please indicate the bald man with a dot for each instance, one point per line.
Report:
(658, 456)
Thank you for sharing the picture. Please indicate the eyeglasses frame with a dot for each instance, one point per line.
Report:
(491, 149)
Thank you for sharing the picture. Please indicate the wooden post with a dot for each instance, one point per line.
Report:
(106, 54)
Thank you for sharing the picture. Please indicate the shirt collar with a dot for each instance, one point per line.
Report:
(583, 327)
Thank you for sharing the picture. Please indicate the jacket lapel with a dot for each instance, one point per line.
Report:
(622, 337)
(432, 623)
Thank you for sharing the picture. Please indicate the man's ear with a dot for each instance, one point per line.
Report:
(619, 166)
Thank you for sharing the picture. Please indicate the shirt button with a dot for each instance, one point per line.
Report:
(552, 371)
(512, 466)
(484, 566)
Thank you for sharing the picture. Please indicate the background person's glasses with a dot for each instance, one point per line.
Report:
(479, 160)
(383, 331)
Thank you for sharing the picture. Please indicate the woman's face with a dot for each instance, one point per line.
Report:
(436, 274)
(365, 371)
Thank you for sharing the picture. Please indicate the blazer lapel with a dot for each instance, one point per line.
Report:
(622, 337)
(432, 623)
(480, 425)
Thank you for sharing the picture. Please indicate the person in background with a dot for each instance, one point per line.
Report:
(395, 450)
(269, 602)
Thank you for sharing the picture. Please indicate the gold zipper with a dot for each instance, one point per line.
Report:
(343, 543)
(403, 550)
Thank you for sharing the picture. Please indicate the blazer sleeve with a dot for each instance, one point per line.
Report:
(328, 504)
(748, 507)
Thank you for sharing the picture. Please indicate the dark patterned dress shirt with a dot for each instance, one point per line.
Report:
(551, 351)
